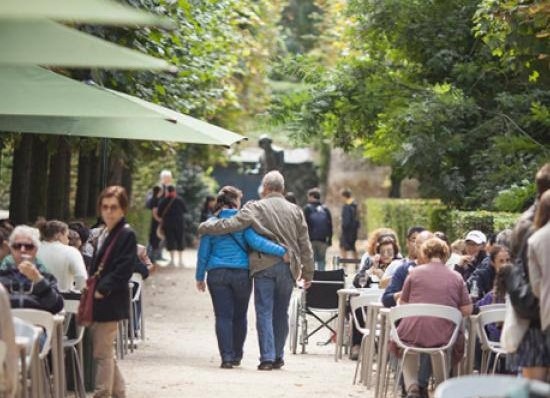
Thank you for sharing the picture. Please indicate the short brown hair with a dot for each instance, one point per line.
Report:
(114, 191)
(435, 248)
(228, 196)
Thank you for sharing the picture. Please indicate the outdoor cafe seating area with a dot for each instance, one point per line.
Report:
(54, 351)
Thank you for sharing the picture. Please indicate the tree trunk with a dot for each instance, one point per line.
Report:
(20, 187)
(67, 182)
(57, 180)
(95, 169)
(127, 181)
(83, 184)
(38, 178)
(396, 177)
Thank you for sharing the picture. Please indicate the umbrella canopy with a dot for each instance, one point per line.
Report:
(44, 42)
(103, 12)
(35, 100)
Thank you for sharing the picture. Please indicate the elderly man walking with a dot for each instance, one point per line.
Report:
(281, 221)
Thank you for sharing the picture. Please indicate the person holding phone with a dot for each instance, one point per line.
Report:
(26, 279)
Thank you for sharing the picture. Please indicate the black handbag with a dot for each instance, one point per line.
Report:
(523, 300)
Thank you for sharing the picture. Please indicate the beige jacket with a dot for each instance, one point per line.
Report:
(539, 271)
(276, 219)
(7, 335)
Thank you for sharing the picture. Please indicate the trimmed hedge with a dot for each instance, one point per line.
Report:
(400, 214)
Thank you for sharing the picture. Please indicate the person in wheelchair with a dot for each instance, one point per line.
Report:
(225, 259)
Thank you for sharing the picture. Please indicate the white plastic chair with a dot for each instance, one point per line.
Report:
(359, 303)
(29, 333)
(74, 347)
(490, 347)
(424, 310)
(490, 307)
(44, 320)
(495, 386)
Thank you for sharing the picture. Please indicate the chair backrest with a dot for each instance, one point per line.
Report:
(490, 307)
(495, 386)
(338, 262)
(322, 294)
(359, 303)
(27, 330)
(136, 280)
(485, 318)
(432, 310)
(39, 318)
(71, 309)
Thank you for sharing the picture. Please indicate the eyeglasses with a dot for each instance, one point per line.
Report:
(111, 207)
(26, 246)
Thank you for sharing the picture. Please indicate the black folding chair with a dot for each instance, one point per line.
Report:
(321, 297)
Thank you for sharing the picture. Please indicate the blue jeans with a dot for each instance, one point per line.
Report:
(230, 291)
(272, 290)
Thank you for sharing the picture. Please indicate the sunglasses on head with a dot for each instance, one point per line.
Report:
(26, 246)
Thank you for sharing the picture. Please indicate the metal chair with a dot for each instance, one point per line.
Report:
(74, 347)
(44, 320)
(321, 297)
(401, 312)
(360, 303)
(495, 386)
(490, 347)
(339, 262)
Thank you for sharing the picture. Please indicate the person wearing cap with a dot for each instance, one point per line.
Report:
(475, 257)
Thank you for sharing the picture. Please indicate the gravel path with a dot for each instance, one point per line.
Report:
(179, 356)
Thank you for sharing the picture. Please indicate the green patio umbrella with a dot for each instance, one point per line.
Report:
(44, 42)
(35, 100)
(103, 12)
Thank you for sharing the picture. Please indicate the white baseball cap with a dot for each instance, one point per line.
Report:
(477, 237)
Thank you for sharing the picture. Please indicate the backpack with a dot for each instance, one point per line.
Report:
(319, 223)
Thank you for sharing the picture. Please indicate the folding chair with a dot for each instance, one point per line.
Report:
(321, 297)
(489, 347)
(496, 386)
(339, 262)
(425, 310)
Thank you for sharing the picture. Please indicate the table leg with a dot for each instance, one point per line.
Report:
(472, 337)
(373, 314)
(382, 358)
(340, 327)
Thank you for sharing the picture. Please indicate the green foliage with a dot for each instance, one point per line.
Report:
(421, 89)
(401, 214)
(516, 198)
(140, 221)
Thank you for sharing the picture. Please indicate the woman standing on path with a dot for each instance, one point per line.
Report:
(171, 209)
(225, 258)
(113, 263)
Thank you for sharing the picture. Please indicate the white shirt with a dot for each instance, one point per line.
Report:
(65, 263)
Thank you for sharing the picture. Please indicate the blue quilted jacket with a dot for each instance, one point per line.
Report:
(231, 250)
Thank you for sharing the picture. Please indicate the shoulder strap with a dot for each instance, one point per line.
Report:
(107, 254)
(167, 208)
(238, 243)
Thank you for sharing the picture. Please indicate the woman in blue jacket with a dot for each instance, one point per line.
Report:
(225, 259)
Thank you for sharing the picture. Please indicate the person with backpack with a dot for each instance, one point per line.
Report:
(350, 225)
(319, 225)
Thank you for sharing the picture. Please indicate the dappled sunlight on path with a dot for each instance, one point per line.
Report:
(179, 357)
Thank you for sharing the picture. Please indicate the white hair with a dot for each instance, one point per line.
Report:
(274, 181)
(27, 232)
(165, 174)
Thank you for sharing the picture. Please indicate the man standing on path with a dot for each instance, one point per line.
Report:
(281, 221)
(350, 225)
(319, 225)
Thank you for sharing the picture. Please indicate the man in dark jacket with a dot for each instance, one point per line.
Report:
(476, 258)
(319, 225)
(350, 225)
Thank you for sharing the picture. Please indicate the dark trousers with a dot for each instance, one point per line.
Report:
(230, 290)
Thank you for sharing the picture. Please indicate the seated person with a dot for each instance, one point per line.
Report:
(431, 283)
(476, 255)
(28, 282)
(482, 280)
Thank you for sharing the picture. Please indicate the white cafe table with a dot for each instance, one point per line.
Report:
(343, 297)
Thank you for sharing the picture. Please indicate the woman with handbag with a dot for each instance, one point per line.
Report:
(112, 266)
(171, 209)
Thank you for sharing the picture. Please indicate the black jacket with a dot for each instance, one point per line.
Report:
(319, 222)
(113, 280)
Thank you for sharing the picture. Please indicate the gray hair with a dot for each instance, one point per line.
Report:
(274, 181)
(28, 232)
(165, 173)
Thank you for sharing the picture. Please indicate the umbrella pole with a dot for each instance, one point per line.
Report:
(103, 162)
